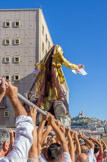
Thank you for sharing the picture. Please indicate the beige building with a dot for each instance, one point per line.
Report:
(24, 40)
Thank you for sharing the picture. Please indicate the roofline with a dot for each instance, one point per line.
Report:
(29, 9)
(46, 25)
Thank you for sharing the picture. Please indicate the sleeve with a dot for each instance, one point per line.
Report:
(23, 139)
(66, 157)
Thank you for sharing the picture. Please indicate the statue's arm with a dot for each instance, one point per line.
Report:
(68, 64)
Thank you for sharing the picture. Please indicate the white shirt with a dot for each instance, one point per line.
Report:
(23, 140)
(104, 160)
(91, 156)
(66, 158)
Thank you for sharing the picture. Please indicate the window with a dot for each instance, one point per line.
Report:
(6, 114)
(16, 77)
(17, 24)
(16, 41)
(46, 38)
(7, 41)
(7, 59)
(16, 59)
(7, 77)
(48, 45)
(42, 47)
(42, 29)
(45, 51)
(7, 24)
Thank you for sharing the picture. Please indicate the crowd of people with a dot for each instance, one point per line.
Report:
(49, 142)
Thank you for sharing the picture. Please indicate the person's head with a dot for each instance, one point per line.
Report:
(84, 149)
(96, 148)
(82, 158)
(105, 154)
(58, 50)
(4, 141)
(54, 152)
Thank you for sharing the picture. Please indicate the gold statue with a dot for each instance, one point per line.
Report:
(50, 77)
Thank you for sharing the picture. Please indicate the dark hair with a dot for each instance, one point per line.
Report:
(96, 148)
(4, 136)
(54, 152)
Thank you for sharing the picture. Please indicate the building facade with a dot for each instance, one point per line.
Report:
(24, 40)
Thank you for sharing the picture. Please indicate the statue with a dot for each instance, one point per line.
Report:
(49, 81)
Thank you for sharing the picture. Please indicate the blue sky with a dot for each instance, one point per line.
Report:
(80, 27)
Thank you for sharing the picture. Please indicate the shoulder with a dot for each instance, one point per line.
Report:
(42, 158)
(91, 155)
(91, 151)
(66, 157)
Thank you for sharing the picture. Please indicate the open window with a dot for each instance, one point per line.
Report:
(42, 47)
(49, 45)
(7, 41)
(16, 77)
(46, 38)
(7, 77)
(45, 51)
(7, 24)
(16, 59)
(7, 59)
(17, 24)
(43, 29)
(16, 41)
(6, 114)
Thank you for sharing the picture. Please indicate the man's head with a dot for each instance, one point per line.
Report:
(96, 150)
(82, 158)
(58, 50)
(84, 149)
(4, 141)
(54, 153)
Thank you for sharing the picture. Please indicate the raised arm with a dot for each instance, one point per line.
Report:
(90, 143)
(2, 88)
(33, 153)
(97, 142)
(12, 93)
(104, 144)
(40, 132)
(45, 134)
(11, 138)
(24, 127)
(58, 133)
(68, 64)
(70, 142)
(78, 147)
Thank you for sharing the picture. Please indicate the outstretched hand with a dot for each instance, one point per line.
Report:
(80, 66)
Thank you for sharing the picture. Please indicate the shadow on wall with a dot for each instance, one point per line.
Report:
(24, 84)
